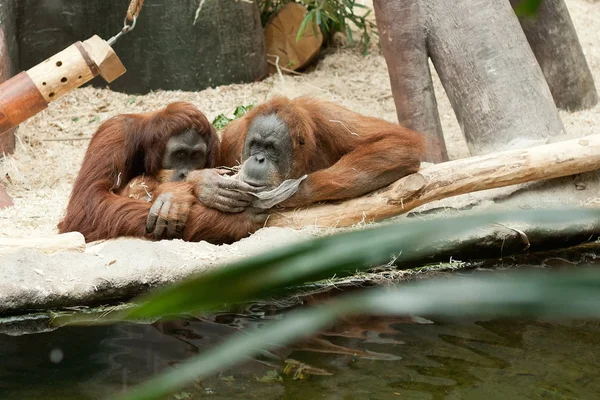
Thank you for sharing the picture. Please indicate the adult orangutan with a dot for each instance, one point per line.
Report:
(345, 154)
(178, 138)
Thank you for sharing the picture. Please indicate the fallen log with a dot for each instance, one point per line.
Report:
(451, 178)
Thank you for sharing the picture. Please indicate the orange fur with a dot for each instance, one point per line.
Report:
(345, 154)
(122, 148)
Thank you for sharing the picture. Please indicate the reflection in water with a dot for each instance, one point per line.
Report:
(367, 357)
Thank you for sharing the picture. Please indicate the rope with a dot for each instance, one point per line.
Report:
(134, 9)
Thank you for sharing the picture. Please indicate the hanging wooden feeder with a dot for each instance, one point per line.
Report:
(29, 92)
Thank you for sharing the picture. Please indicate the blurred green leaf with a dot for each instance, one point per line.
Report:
(221, 121)
(241, 110)
(349, 33)
(527, 8)
(302, 28)
(339, 255)
(567, 293)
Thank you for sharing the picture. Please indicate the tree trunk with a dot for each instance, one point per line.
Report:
(176, 45)
(490, 74)
(9, 55)
(554, 42)
(404, 45)
(451, 178)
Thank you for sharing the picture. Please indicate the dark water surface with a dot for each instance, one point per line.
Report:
(367, 357)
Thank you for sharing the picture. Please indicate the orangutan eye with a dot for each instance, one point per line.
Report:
(180, 154)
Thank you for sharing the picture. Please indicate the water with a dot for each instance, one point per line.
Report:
(367, 357)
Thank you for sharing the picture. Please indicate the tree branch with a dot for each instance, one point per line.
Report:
(451, 178)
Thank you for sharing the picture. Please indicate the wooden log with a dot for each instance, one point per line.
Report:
(452, 178)
(280, 39)
(29, 92)
(72, 241)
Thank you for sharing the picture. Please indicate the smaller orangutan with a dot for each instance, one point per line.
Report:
(345, 154)
(177, 138)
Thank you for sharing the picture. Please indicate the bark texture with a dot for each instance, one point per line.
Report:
(554, 42)
(449, 179)
(8, 64)
(404, 45)
(494, 83)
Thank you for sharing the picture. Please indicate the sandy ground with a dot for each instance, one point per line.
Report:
(51, 146)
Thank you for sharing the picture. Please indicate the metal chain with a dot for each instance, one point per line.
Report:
(132, 13)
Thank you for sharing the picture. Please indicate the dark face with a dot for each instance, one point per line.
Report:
(184, 153)
(267, 152)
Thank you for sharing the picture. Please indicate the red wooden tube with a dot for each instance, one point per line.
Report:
(29, 92)
(20, 100)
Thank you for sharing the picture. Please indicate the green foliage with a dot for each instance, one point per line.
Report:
(339, 255)
(566, 293)
(330, 15)
(572, 293)
(222, 120)
(527, 8)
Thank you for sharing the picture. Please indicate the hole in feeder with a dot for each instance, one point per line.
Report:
(64, 80)
(44, 83)
(51, 94)
(80, 77)
(58, 63)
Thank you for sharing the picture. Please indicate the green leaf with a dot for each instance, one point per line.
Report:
(572, 293)
(241, 110)
(527, 8)
(339, 255)
(221, 121)
(315, 27)
(302, 28)
(349, 32)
